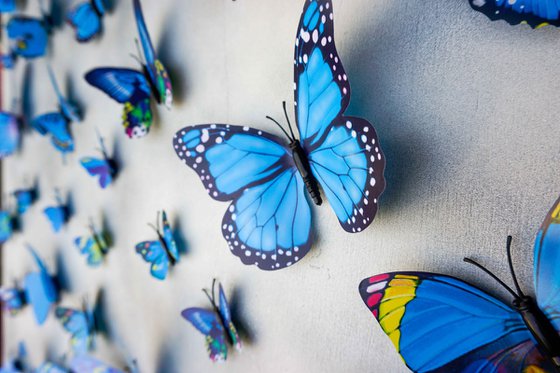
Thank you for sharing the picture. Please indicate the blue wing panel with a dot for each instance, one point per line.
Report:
(536, 13)
(9, 134)
(147, 46)
(56, 125)
(154, 253)
(85, 20)
(122, 85)
(28, 36)
(7, 6)
(6, 226)
(77, 323)
(57, 215)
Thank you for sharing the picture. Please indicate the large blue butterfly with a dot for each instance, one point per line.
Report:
(441, 324)
(86, 19)
(536, 13)
(81, 326)
(28, 36)
(9, 134)
(216, 325)
(104, 168)
(135, 88)
(269, 221)
(41, 292)
(162, 252)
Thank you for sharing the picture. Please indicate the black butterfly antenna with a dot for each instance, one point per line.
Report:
(211, 298)
(516, 296)
(288, 120)
(137, 57)
(291, 138)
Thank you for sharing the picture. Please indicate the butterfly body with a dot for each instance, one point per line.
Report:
(303, 166)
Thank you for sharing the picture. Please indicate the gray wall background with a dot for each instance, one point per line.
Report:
(467, 114)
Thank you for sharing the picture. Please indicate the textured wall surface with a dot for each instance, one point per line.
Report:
(467, 114)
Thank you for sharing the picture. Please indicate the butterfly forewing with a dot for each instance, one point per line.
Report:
(208, 323)
(225, 313)
(535, 13)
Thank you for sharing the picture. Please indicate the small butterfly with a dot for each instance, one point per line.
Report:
(17, 364)
(13, 299)
(441, 324)
(162, 252)
(81, 326)
(536, 13)
(9, 134)
(135, 88)
(24, 199)
(104, 168)
(268, 223)
(29, 36)
(7, 6)
(89, 364)
(41, 291)
(58, 215)
(86, 19)
(6, 226)
(216, 325)
(50, 367)
(8, 60)
(94, 246)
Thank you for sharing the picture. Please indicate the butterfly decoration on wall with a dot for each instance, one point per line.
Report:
(94, 246)
(162, 252)
(59, 214)
(86, 363)
(216, 325)
(135, 88)
(269, 221)
(28, 36)
(86, 19)
(7, 222)
(104, 168)
(7, 6)
(51, 367)
(536, 13)
(41, 290)
(56, 124)
(9, 134)
(13, 299)
(80, 324)
(25, 198)
(441, 324)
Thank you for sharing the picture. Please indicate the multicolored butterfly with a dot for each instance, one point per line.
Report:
(7, 6)
(441, 324)
(9, 134)
(216, 325)
(94, 246)
(6, 226)
(41, 291)
(86, 19)
(536, 13)
(89, 364)
(104, 168)
(268, 223)
(25, 198)
(81, 326)
(58, 215)
(134, 88)
(162, 252)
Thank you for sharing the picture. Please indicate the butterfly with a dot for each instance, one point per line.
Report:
(6, 226)
(162, 252)
(17, 364)
(9, 134)
(105, 168)
(135, 88)
(81, 326)
(216, 325)
(86, 19)
(441, 324)
(94, 246)
(269, 221)
(50, 367)
(41, 291)
(58, 215)
(13, 299)
(7, 6)
(24, 199)
(536, 13)
(29, 36)
(88, 364)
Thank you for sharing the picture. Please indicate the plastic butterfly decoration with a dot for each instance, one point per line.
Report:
(51, 367)
(269, 221)
(25, 198)
(13, 299)
(216, 325)
(9, 134)
(135, 88)
(104, 168)
(536, 13)
(81, 326)
(86, 363)
(441, 324)
(6, 226)
(162, 252)
(56, 124)
(7, 6)
(29, 36)
(58, 215)
(41, 291)
(18, 363)
(86, 19)
(94, 246)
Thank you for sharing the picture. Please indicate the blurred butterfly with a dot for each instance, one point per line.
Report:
(29, 36)
(89, 364)
(94, 246)
(6, 226)
(135, 88)
(41, 291)
(24, 199)
(536, 13)
(7, 6)
(9, 134)
(162, 252)
(104, 168)
(58, 215)
(269, 221)
(9, 59)
(81, 326)
(216, 325)
(50, 367)
(56, 124)
(13, 299)
(18, 363)
(441, 324)
(86, 19)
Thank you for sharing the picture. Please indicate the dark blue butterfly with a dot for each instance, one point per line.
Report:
(86, 19)
(216, 325)
(58, 215)
(9, 134)
(28, 36)
(81, 326)
(41, 291)
(6, 226)
(104, 168)
(24, 199)
(269, 221)
(7, 6)
(536, 13)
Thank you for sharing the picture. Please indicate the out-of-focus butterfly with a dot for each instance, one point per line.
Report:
(41, 291)
(162, 252)
(25, 198)
(6, 226)
(58, 214)
(9, 134)
(17, 364)
(269, 221)
(94, 246)
(89, 364)
(536, 13)
(81, 326)
(135, 88)
(86, 19)
(56, 124)
(29, 36)
(104, 168)
(13, 299)
(441, 324)
(51, 367)
(216, 325)
(7, 6)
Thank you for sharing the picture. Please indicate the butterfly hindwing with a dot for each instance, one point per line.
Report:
(100, 168)
(9, 134)
(80, 326)
(86, 20)
(24, 199)
(208, 323)
(7, 6)
(40, 290)
(536, 13)
(58, 216)
(154, 253)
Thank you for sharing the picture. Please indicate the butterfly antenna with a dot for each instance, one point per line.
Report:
(209, 297)
(288, 120)
(280, 126)
(142, 62)
(153, 227)
(510, 262)
(480, 266)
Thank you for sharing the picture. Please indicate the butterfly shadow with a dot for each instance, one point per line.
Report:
(180, 239)
(167, 361)
(100, 315)
(116, 154)
(106, 231)
(61, 277)
(246, 333)
(72, 96)
(69, 205)
(56, 13)
(27, 103)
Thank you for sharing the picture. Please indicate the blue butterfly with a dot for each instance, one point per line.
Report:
(162, 252)
(58, 215)
(94, 246)
(8, 60)
(104, 168)
(269, 221)
(24, 199)
(7, 6)
(536, 13)
(6, 226)
(28, 36)
(16, 364)
(9, 134)
(88, 364)
(41, 292)
(135, 88)
(50, 367)
(81, 326)
(216, 325)
(441, 324)
(86, 19)
(13, 299)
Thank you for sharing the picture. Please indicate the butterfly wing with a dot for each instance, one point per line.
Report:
(28, 36)
(154, 253)
(88, 364)
(9, 134)
(344, 152)
(13, 299)
(86, 21)
(6, 226)
(91, 248)
(49, 367)
(168, 237)
(57, 215)
(99, 168)
(7, 6)
(24, 199)
(208, 323)
(40, 290)
(56, 126)
(441, 324)
(536, 13)
(128, 87)
(8, 60)
(225, 312)
(77, 323)
(269, 221)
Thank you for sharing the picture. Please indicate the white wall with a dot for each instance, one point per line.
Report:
(467, 114)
